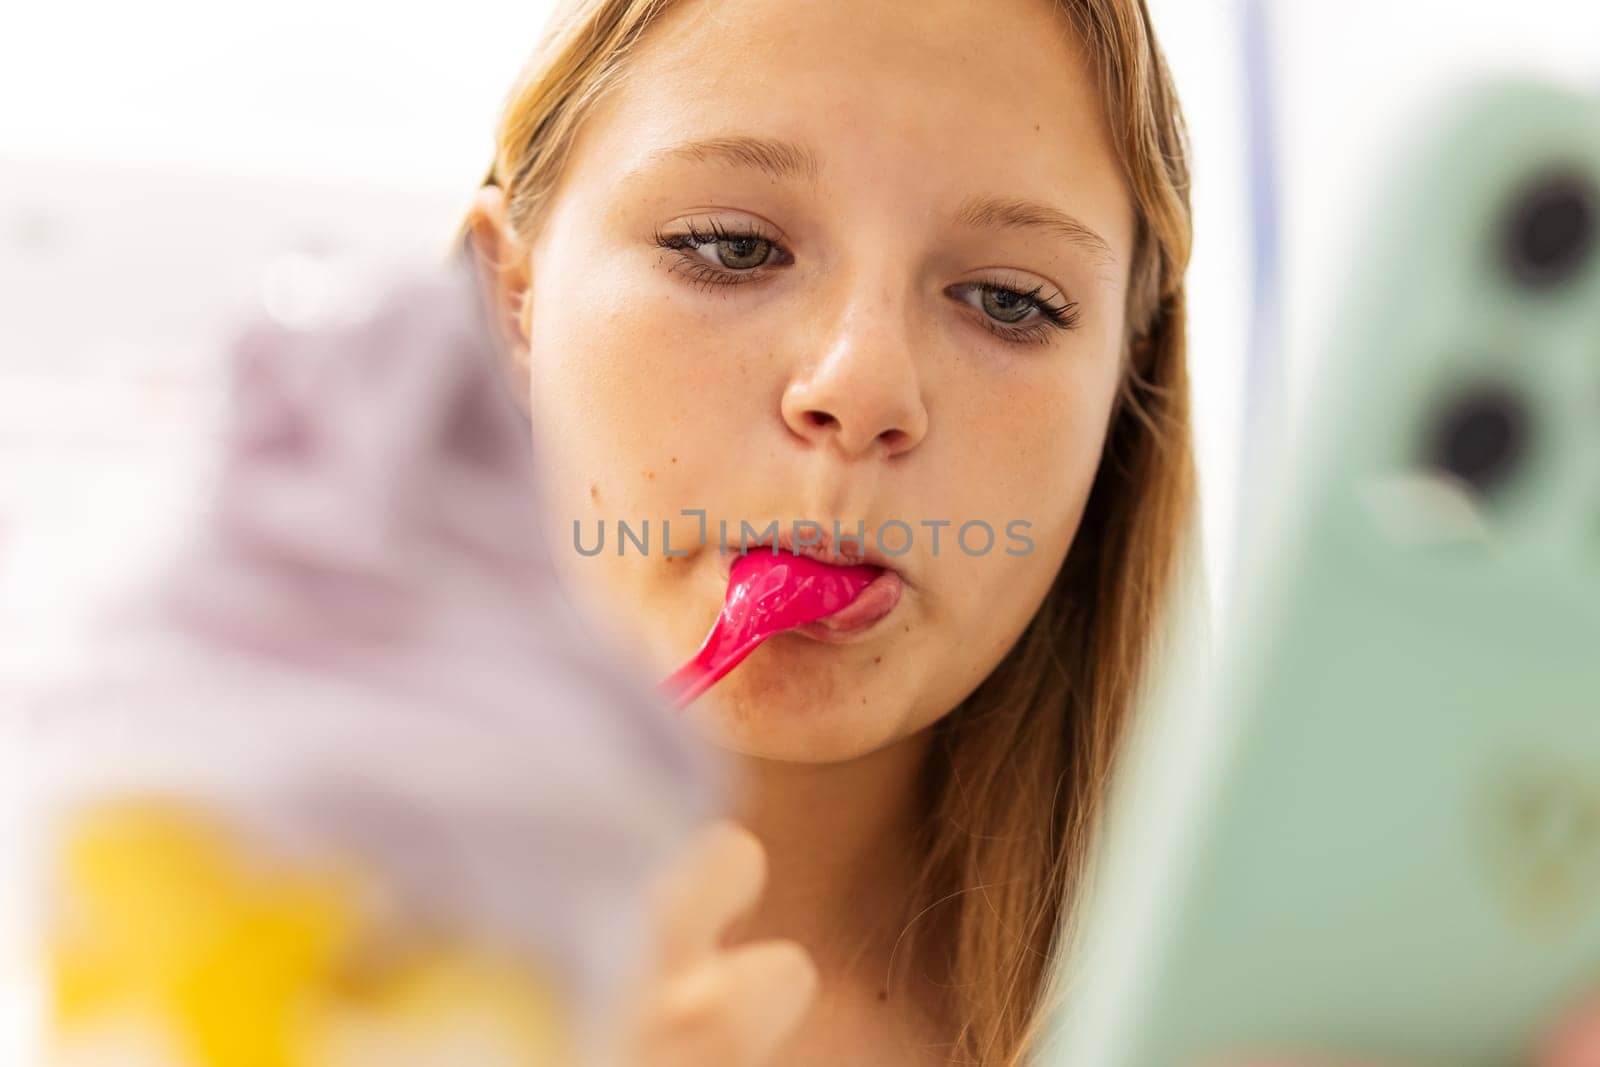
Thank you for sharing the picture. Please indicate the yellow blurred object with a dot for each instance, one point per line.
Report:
(166, 930)
(441, 1009)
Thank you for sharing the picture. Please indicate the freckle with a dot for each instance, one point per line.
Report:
(651, 475)
(877, 659)
(674, 459)
(883, 994)
(594, 491)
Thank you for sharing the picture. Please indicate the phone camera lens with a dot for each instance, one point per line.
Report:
(1480, 437)
(1549, 232)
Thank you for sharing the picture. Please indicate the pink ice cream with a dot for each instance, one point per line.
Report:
(362, 643)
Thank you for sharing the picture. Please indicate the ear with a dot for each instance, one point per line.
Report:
(505, 276)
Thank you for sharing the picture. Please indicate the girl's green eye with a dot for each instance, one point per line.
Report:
(731, 254)
(1005, 305)
(1018, 314)
(743, 253)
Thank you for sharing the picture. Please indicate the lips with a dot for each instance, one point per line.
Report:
(869, 607)
(845, 552)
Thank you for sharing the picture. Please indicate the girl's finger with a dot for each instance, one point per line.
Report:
(719, 878)
(1575, 1039)
(737, 1008)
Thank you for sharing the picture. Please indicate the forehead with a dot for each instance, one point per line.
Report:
(932, 100)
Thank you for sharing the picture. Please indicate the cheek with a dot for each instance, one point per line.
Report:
(1035, 465)
(1031, 445)
(624, 400)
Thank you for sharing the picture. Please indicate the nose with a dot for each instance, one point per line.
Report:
(865, 394)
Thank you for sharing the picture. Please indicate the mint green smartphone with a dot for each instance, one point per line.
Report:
(1370, 825)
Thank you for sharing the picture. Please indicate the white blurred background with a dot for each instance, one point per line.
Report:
(162, 161)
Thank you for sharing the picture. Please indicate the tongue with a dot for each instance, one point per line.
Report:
(767, 594)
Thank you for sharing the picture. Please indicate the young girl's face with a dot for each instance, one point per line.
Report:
(840, 261)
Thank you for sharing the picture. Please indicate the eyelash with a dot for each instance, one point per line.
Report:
(1052, 319)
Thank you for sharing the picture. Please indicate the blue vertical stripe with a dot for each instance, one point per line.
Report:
(1263, 372)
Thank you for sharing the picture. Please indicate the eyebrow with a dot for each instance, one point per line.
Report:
(1008, 212)
(788, 160)
(781, 159)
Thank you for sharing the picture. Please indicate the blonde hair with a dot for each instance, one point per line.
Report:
(1016, 787)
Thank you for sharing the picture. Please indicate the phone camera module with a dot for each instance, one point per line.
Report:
(1480, 437)
(1548, 235)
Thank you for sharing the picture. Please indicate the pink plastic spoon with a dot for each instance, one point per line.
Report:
(767, 593)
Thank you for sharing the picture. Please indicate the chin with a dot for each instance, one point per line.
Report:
(776, 710)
